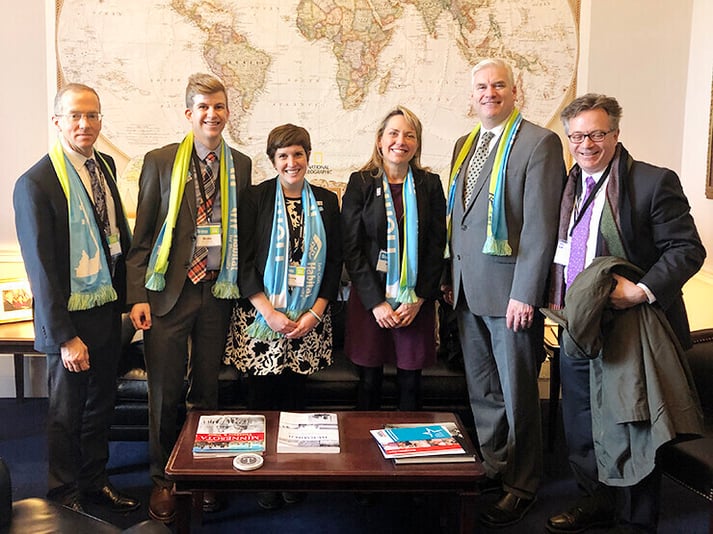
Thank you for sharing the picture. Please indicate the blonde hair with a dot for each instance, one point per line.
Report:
(376, 162)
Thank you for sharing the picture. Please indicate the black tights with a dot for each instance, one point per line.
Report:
(285, 391)
(369, 392)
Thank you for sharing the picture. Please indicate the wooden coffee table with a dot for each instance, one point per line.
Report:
(358, 467)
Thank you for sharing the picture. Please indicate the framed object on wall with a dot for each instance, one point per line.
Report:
(16, 301)
(709, 168)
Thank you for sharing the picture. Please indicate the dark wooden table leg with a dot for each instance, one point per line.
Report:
(468, 524)
(19, 362)
(184, 508)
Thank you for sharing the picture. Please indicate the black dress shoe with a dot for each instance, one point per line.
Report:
(507, 511)
(211, 502)
(162, 504)
(111, 497)
(270, 500)
(585, 514)
(73, 504)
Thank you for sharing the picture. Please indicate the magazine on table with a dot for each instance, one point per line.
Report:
(308, 433)
(229, 434)
(468, 456)
(419, 440)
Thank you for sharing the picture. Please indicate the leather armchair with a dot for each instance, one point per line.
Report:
(690, 462)
(39, 516)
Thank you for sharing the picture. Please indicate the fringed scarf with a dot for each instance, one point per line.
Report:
(90, 278)
(226, 286)
(496, 242)
(609, 227)
(296, 302)
(402, 270)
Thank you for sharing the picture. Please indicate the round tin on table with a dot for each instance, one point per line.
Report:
(248, 461)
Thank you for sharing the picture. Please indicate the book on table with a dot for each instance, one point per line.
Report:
(308, 433)
(229, 435)
(419, 443)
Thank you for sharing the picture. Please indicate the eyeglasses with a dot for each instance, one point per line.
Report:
(595, 136)
(76, 117)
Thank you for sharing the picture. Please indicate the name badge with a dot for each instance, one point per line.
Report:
(382, 265)
(562, 252)
(208, 235)
(114, 245)
(295, 276)
(378, 191)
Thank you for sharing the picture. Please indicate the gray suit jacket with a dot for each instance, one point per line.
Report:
(154, 191)
(534, 182)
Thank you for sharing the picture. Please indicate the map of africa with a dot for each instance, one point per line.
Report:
(333, 66)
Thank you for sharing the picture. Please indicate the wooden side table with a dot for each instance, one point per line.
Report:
(553, 350)
(18, 339)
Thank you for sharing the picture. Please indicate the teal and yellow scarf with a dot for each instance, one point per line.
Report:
(226, 286)
(402, 270)
(296, 302)
(90, 278)
(496, 242)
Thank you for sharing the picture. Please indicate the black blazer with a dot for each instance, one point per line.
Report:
(364, 231)
(255, 215)
(43, 232)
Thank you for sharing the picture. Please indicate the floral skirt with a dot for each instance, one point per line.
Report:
(306, 355)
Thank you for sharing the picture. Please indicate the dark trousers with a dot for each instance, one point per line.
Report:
(637, 505)
(79, 414)
(203, 319)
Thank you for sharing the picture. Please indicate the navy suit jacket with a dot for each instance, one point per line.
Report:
(659, 236)
(41, 221)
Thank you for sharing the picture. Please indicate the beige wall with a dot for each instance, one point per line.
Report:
(655, 56)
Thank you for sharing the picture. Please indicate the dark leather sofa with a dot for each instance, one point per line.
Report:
(333, 388)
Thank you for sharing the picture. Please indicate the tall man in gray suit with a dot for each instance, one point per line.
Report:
(506, 181)
(182, 270)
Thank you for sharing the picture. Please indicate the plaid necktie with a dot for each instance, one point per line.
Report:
(475, 166)
(199, 263)
(580, 234)
(99, 194)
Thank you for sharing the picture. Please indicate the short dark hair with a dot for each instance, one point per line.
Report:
(287, 135)
(592, 101)
(75, 88)
(203, 84)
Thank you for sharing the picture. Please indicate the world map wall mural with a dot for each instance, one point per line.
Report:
(333, 66)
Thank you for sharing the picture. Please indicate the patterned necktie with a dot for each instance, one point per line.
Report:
(475, 166)
(199, 263)
(580, 234)
(99, 194)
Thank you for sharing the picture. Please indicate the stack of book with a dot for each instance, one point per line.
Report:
(419, 443)
(229, 435)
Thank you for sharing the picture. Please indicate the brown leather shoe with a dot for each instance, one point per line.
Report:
(585, 514)
(507, 511)
(162, 504)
